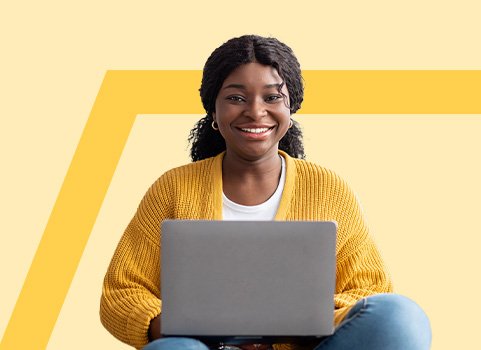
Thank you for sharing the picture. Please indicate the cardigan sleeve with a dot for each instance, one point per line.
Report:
(360, 270)
(131, 289)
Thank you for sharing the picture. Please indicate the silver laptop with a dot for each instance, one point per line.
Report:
(248, 281)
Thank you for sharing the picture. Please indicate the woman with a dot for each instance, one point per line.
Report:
(248, 165)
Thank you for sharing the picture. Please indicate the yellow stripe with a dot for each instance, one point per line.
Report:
(124, 94)
(392, 92)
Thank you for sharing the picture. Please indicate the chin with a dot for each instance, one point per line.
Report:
(252, 156)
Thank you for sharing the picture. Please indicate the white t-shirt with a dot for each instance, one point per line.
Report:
(263, 211)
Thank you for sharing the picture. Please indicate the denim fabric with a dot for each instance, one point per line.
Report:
(176, 344)
(383, 321)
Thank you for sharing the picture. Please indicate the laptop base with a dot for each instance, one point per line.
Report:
(213, 341)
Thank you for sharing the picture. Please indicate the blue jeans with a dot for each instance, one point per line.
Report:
(378, 322)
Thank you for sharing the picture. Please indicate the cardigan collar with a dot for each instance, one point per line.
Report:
(287, 193)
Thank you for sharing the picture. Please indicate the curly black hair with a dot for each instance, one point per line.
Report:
(206, 142)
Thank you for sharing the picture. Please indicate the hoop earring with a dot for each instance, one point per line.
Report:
(291, 122)
(214, 125)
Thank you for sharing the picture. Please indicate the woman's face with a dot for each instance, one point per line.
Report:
(251, 113)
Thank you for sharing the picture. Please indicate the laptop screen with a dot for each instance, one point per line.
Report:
(248, 281)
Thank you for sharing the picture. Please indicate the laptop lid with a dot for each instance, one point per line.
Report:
(246, 281)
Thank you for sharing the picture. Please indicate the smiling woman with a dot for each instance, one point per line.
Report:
(248, 164)
(252, 117)
(282, 68)
(251, 113)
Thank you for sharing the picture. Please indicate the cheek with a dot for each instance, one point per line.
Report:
(284, 107)
(286, 115)
(225, 113)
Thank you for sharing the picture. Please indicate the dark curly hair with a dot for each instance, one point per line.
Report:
(206, 142)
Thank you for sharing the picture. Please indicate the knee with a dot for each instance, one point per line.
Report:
(176, 343)
(402, 318)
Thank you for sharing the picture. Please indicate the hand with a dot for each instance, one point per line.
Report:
(154, 329)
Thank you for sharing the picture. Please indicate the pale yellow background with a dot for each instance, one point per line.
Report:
(416, 176)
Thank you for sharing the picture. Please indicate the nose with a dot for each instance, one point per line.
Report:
(256, 109)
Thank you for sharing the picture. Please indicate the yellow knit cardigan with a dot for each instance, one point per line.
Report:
(131, 291)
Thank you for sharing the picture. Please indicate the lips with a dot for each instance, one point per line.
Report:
(256, 133)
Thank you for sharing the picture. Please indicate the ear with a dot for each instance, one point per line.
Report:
(214, 117)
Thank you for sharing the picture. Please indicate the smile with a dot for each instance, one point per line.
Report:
(256, 130)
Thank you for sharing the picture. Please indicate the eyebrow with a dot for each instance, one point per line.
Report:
(242, 87)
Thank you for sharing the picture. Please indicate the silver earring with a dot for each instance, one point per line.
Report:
(214, 125)
(291, 122)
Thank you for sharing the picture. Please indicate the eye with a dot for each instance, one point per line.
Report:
(274, 98)
(235, 98)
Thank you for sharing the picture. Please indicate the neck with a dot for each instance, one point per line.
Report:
(250, 182)
(238, 167)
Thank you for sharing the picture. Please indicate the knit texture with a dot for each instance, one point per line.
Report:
(131, 291)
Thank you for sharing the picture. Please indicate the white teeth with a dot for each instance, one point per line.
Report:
(256, 130)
